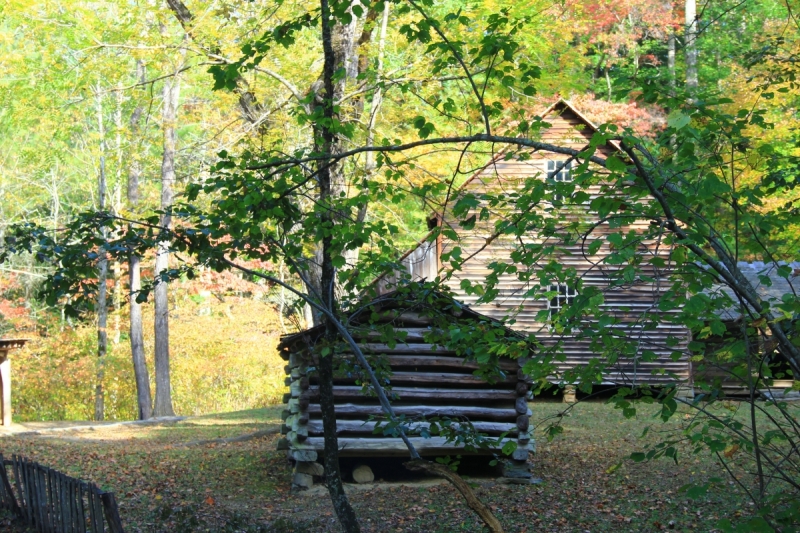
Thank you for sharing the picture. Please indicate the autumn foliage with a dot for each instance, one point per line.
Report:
(224, 332)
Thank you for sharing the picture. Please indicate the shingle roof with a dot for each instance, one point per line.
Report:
(772, 292)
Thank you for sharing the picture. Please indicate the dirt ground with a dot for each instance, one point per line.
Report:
(223, 473)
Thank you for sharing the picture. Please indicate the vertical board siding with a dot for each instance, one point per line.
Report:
(630, 305)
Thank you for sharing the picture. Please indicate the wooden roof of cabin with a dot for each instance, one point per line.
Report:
(401, 302)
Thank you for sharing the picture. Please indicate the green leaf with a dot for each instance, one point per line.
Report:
(755, 525)
(614, 164)
(509, 447)
(697, 491)
(678, 120)
(725, 525)
(594, 246)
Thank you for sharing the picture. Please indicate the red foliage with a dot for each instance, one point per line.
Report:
(14, 309)
(644, 121)
(617, 26)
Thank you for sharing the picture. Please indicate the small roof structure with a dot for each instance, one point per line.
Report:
(765, 279)
(405, 302)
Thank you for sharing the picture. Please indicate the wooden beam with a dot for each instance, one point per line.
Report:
(5, 387)
(444, 361)
(401, 349)
(349, 427)
(450, 378)
(468, 412)
(387, 447)
(344, 392)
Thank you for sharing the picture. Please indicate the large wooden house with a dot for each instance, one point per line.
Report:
(657, 360)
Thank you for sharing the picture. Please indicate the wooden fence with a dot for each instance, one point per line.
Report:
(52, 502)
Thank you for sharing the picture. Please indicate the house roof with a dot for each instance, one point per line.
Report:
(757, 273)
(559, 105)
(404, 301)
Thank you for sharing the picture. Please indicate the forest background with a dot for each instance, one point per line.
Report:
(96, 94)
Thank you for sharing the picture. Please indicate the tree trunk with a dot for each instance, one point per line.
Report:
(377, 100)
(163, 404)
(690, 40)
(144, 398)
(335, 49)
(102, 276)
(117, 207)
(671, 62)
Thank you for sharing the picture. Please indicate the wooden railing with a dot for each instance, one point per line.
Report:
(53, 502)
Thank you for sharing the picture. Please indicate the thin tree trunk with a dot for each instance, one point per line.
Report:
(671, 62)
(333, 41)
(673, 140)
(144, 398)
(117, 207)
(102, 275)
(377, 100)
(56, 200)
(163, 404)
(690, 40)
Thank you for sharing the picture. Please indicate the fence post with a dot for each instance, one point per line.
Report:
(21, 488)
(111, 511)
(9, 492)
(82, 506)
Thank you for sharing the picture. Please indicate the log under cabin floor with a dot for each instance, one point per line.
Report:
(164, 483)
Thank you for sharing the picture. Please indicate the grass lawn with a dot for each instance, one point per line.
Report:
(163, 485)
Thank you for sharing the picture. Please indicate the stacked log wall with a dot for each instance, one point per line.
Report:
(425, 381)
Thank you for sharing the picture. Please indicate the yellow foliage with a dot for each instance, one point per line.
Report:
(223, 357)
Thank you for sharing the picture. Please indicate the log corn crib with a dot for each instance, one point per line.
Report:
(53, 502)
(508, 398)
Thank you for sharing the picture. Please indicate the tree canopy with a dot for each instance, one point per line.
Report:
(318, 139)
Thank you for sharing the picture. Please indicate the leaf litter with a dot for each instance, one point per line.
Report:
(243, 486)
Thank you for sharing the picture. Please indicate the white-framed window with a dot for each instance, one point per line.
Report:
(564, 295)
(560, 172)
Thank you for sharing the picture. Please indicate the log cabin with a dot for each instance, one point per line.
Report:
(430, 379)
